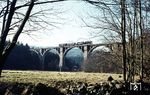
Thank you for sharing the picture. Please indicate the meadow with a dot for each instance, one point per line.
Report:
(48, 77)
(15, 82)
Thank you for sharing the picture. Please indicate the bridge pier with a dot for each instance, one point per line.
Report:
(61, 56)
(85, 53)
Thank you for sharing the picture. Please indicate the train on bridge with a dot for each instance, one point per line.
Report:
(75, 44)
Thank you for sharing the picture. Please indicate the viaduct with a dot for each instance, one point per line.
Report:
(87, 47)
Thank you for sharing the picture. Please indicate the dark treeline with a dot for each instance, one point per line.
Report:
(21, 58)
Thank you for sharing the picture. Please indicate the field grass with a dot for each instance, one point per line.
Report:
(50, 77)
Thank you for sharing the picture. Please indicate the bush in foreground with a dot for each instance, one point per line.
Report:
(68, 88)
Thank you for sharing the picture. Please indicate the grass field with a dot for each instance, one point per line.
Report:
(62, 83)
(50, 77)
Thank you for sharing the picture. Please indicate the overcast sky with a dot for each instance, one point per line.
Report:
(71, 30)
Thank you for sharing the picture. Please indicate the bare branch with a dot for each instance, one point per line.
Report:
(40, 2)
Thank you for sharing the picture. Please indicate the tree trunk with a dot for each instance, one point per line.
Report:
(6, 49)
(123, 31)
(2, 62)
(5, 54)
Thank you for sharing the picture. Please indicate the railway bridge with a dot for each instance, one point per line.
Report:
(86, 47)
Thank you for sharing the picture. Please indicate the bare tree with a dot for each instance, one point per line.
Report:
(123, 20)
(13, 22)
(103, 62)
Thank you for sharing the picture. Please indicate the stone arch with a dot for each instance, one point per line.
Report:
(73, 65)
(51, 60)
(48, 51)
(36, 59)
(45, 52)
(91, 50)
(37, 52)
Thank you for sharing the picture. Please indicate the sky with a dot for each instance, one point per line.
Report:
(71, 30)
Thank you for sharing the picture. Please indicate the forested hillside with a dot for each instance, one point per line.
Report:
(21, 58)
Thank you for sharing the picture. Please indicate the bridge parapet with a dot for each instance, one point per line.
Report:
(76, 44)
